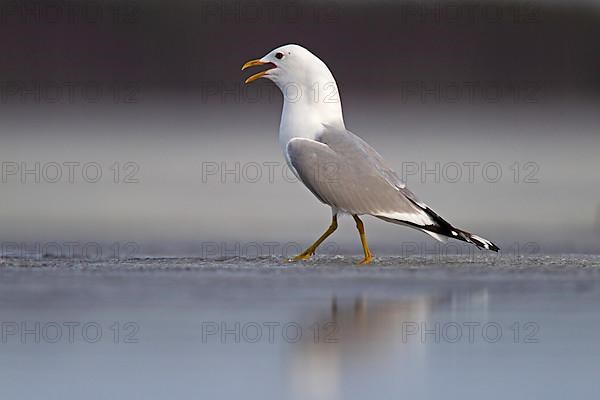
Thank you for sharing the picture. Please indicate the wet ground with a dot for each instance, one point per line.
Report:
(423, 327)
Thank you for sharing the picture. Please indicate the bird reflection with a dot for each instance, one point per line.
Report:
(358, 335)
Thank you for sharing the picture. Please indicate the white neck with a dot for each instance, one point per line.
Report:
(306, 108)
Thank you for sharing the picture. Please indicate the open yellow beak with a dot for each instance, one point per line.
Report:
(254, 63)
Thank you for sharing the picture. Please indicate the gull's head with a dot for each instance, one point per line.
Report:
(291, 65)
(309, 90)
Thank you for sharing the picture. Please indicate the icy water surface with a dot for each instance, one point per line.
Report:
(455, 328)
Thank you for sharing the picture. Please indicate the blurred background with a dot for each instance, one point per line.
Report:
(129, 122)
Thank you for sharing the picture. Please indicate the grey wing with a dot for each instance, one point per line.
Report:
(344, 172)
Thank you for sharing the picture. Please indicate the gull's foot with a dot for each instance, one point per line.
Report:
(302, 257)
(366, 260)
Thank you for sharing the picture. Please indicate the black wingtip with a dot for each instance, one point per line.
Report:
(483, 243)
(443, 227)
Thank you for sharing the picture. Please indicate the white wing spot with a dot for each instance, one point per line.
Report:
(416, 218)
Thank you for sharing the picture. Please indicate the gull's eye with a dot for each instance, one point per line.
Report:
(279, 56)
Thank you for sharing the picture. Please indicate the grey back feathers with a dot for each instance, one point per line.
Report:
(343, 171)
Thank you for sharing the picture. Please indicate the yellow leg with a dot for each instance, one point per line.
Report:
(306, 254)
(363, 239)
